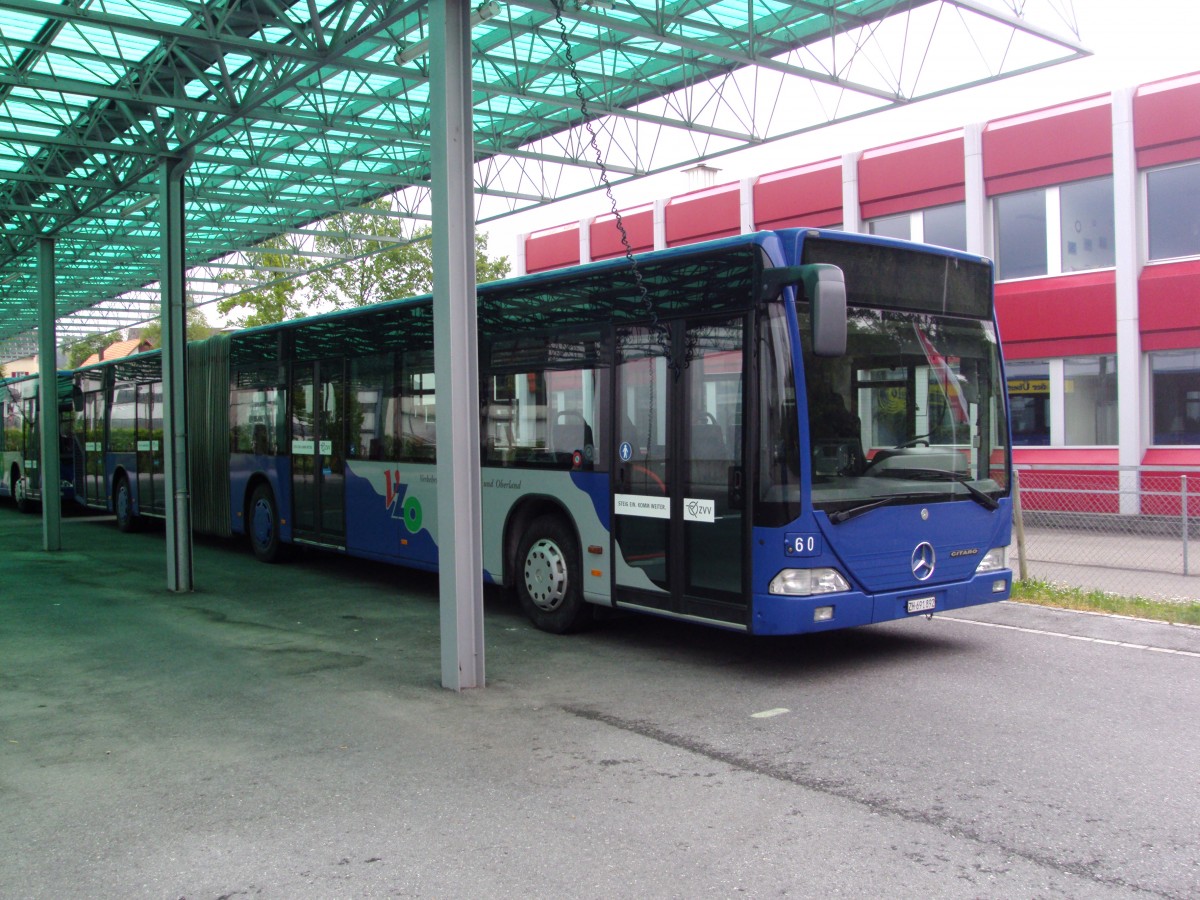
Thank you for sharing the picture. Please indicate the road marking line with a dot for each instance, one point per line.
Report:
(1071, 637)
(769, 713)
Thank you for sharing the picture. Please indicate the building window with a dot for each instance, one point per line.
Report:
(1048, 231)
(1173, 201)
(1021, 235)
(1090, 400)
(1029, 401)
(945, 226)
(1087, 228)
(1175, 397)
(892, 226)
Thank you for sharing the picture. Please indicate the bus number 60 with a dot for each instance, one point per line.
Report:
(803, 544)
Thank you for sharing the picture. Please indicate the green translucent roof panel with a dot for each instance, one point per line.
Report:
(292, 111)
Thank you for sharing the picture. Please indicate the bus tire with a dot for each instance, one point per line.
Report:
(262, 525)
(123, 506)
(20, 493)
(549, 579)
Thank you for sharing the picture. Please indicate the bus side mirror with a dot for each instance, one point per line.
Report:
(826, 290)
(77, 398)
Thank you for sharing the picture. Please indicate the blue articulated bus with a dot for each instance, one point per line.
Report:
(20, 441)
(778, 433)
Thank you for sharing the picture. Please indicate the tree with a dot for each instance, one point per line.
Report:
(384, 264)
(280, 297)
(198, 328)
(79, 350)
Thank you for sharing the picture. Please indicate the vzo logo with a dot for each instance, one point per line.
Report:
(409, 510)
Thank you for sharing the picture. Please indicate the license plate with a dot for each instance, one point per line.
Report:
(921, 604)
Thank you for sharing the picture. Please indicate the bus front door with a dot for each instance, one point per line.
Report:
(679, 532)
(318, 453)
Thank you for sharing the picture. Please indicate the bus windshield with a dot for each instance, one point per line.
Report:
(913, 412)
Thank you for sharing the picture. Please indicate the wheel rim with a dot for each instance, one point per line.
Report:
(262, 524)
(546, 575)
(123, 502)
(19, 490)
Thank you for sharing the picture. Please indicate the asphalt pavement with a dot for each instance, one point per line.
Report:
(281, 733)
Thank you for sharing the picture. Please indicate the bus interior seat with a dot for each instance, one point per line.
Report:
(710, 460)
(708, 441)
(570, 433)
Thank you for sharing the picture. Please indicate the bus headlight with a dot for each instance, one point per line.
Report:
(993, 560)
(806, 582)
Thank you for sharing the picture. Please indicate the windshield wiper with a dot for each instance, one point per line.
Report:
(845, 515)
(983, 499)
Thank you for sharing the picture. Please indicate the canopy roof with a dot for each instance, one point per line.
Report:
(292, 111)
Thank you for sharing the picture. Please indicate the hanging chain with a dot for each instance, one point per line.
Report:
(661, 333)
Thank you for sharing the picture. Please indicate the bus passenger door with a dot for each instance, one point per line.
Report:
(318, 452)
(31, 446)
(679, 532)
(93, 448)
(712, 472)
(151, 477)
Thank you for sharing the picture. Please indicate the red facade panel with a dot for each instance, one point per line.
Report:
(1162, 492)
(1176, 456)
(1166, 121)
(639, 229)
(1068, 456)
(703, 215)
(805, 196)
(1029, 150)
(1091, 490)
(915, 174)
(1169, 306)
(1068, 315)
(552, 248)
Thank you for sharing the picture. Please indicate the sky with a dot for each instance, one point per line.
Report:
(1133, 42)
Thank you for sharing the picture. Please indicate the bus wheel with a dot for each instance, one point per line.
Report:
(21, 495)
(549, 582)
(123, 505)
(263, 525)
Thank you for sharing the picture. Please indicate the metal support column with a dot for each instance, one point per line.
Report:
(51, 476)
(456, 360)
(978, 223)
(174, 368)
(1131, 400)
(851, 210)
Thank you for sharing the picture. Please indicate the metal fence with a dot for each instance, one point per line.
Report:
(1125, 530)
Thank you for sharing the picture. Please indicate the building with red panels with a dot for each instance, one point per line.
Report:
(1091, 211)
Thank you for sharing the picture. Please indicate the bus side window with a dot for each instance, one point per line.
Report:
(370, 413)
(418, 408)
(254, 402)
(570, 396)
(121, 419)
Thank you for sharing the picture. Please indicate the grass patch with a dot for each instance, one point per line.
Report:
(1044, 593)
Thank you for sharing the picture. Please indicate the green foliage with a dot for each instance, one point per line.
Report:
(385, 264)
(279, 298)
(198, 328)
(77, 351)
(1043, 593)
